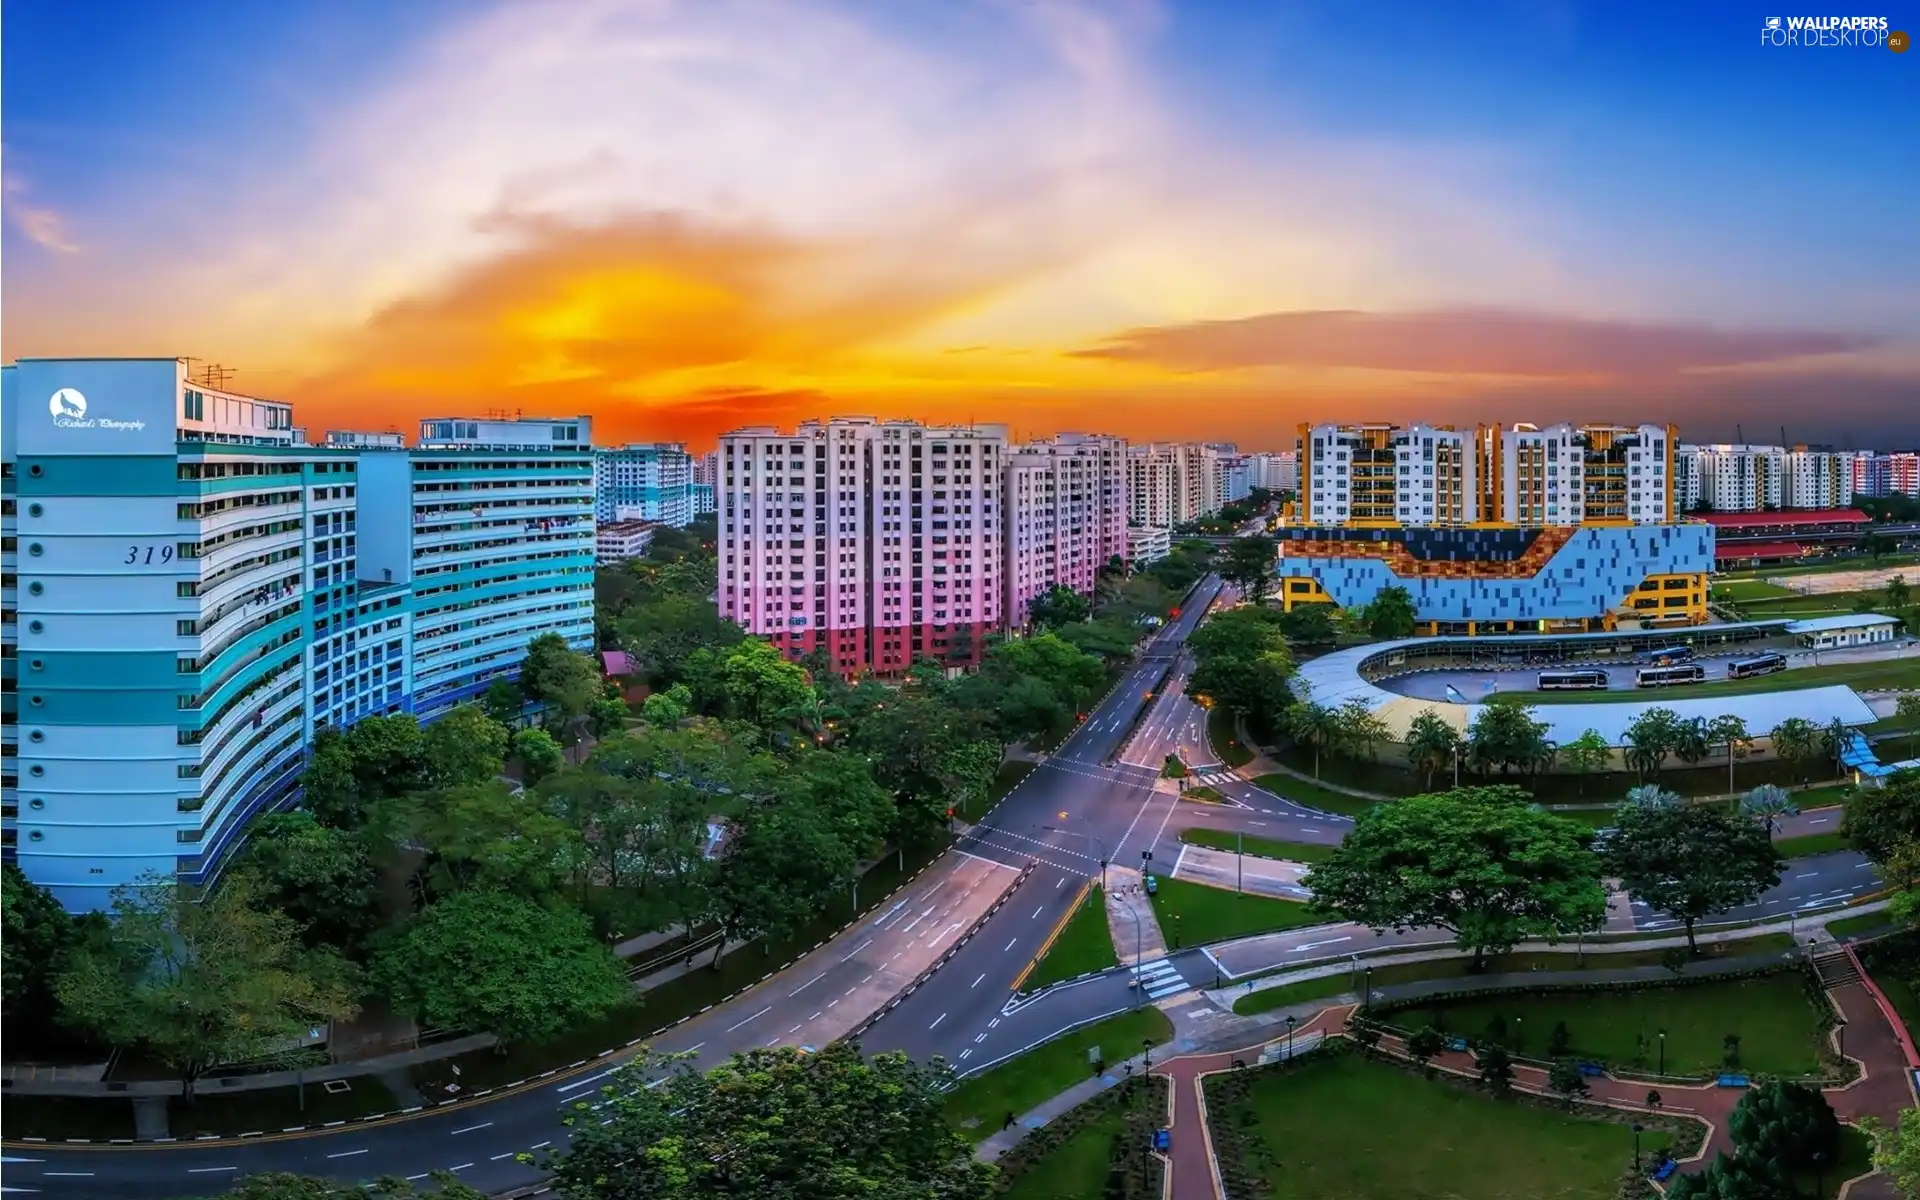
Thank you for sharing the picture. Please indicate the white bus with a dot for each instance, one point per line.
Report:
(1668, 676)
(1557, 681)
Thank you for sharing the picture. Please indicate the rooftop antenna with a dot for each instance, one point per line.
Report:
(1783, 435)
(1739, 435)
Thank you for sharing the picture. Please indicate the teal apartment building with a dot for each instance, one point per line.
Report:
(191, 591)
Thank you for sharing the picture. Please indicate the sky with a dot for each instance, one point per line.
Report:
(1208, 220)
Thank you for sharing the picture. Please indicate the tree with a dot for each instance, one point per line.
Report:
(1424, 1043)
(1586, 755)
(606, 715)
(1896, 1150)
(1242, 661)
(200, 981)
(1565, 1080)
(1835, 736)
(1737, 1178)
(1651, 736)
(667, 709)
(1481, 862)
(479, 837)
(328, 783)
(464, 746)
(1649, 795)
(1692, 740)
(1248, 565)
(1767, 804)
(1496, 1069)
(1314, 726)
(37, 939)
(389, 755)
(1690, 861)
(560, 677)
(1907, 709)
(1360, 731)
(538, 755)
(1729, 732)
(1788, 1124)
(970, 770)
(1506, 735)
(784, 861)
(320, 876)
(503, 701)
(1308, 625)
(1883, 823)
(1797, 741)
(1432, 744)
(486, 961)
(1058, 606)
(759, 685)
(280, 1185)
(832, 1124)
(1391, 613)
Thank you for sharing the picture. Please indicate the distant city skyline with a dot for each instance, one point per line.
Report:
(1166, 221)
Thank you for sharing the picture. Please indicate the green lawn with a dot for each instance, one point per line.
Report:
(1778, 1028)
(1863, 923)
(1824, 796)
(1592, 818)
(1894, 963)
(1220, 839)
(1812, 844)
(1193, 914)
(1226, 743)
(1891, 673)
(1019, 1084)
(1455, 968)
(1744, 591)
(1313, 795)
(1085, 944)
(1074, 1170)
(1202, 794)
(1342, 1125)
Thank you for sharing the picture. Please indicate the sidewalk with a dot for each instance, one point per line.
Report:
(1136, 937)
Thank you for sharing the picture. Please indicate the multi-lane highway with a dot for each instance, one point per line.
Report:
(991, 904)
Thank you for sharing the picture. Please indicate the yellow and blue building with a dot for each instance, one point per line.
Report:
(191, 591)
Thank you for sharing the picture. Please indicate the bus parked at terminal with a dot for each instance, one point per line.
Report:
(1666, 656)
(1763, 664)
(1557, 681)
(1668, 676)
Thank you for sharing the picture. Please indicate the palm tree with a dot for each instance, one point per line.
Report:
(1691, 741)
(1586, 754)
(1730, 732)
(1360, 731)
(1652, 795)
(1834, 739)
(1768, 802)
(1796, 740)
(1431, 744)
(1314, 725)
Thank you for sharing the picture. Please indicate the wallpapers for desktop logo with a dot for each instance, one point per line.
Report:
(1866, 32)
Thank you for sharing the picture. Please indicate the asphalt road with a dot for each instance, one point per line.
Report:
(1076, 809)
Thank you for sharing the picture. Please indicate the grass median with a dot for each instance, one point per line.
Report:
(978, 1106)
(1314, 795)
(1084, 943)
(1225, 740)
(1812, 844)
(1194, 914)
(1220, 839)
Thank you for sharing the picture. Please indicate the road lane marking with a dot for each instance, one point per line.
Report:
(1038, 911)
(542, 1145)
(737, 1024)
(856, 950)
(498, 1157)
(796, 1028)
(1010, 945)
(814, 1017)
(936, 1022)
(981, 1038)
(85, 1174)
(993, 1023)
(217, 1170)
(348, 1153)
(976, 983)
(809, 983)
(1059, 883)
(471, 1128)
(580, 1083)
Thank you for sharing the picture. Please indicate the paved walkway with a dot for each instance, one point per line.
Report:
(1130, 919)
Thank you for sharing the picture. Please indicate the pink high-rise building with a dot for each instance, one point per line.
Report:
(1066, 510)
(878, 542)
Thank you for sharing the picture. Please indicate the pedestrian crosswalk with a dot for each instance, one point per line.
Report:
(1214, 776)
(1159, 979)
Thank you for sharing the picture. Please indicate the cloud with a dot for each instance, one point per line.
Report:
(1464, 342)
(42, 226)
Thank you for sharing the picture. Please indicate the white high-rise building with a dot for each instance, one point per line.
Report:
(1387, 475)
(1758, 478)
(1066, 509)
(654, 477)
(1817, 479)
(1274, 472)
(1580, 474)
(877, 542)
(1172, 483)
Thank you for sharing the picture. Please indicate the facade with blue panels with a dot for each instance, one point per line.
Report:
(651, 481)
(190, 593)
(502, 549)
(1504, 579)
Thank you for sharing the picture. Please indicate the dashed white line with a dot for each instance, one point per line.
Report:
(976, 983)
(809, 983)
(796, 1028)
(219, 1170)
(348, 1153)
(936, 1021)
(737, 1024)
(1037, 912)
(461, 1167)
(1010, 945)
(471, 1128)
(508, 1154)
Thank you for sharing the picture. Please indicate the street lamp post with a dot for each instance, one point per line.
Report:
(1290, 1021)
(1369, 995)
(1636, 1147)
(1663, 1052)
(1239, 858)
